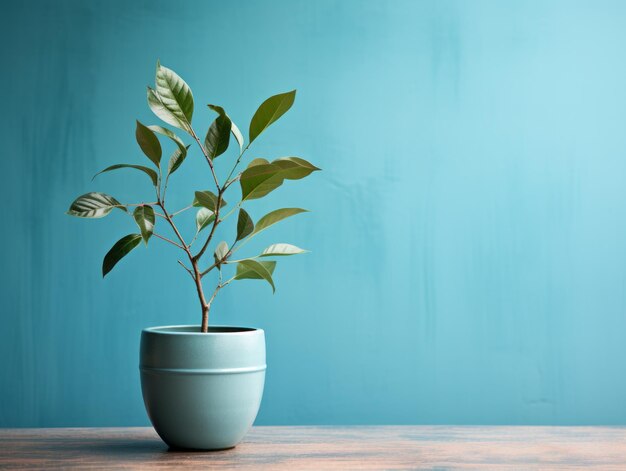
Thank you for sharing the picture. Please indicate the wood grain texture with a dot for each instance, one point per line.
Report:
(315, 448)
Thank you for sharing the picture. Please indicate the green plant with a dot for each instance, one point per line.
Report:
(172, 101)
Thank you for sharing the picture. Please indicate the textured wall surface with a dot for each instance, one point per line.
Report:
(468, 233)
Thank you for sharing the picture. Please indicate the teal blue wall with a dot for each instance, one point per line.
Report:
(468, 233)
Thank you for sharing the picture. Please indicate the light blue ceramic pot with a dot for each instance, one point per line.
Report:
(202, 391)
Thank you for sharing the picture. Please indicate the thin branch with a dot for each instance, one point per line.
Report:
(135, 204)
(243, 242)
(217, 209)
(242, 259)
(167, 240)
(223, 261)
(158, 186)
(217, 289)
(194, 239)
(181, 210)
(230, 182)
(208, 269)
(218, 202)
(167, 179)
(197, 278)
(195, 272)
(236, 164)
(216, 222)
(188, 270)
(236, 207)
(206, 155)
(169, 220)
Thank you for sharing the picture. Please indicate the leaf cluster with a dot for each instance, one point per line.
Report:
(172, 101)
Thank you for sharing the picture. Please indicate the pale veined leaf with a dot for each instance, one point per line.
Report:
(94, 205)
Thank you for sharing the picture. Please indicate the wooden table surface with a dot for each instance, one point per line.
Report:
(318, 448)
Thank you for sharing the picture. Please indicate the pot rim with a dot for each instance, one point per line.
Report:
(223, 330)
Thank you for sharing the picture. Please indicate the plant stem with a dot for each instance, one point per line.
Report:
(181, 210)
(223, 261)
(197, 277)
(203, 302)
(213, 227)
(135, 204)
(217, 288)
(208, 269)
(167, 179)
(235, 166)
(206, 306)
(206, 156)
(195, 272)
(188, 270)
(243, 242)
(235, 208)
(230, 182)
(167, 240)
(241, 260)
(168, 218)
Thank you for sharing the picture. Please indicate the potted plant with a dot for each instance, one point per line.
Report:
(202, 386)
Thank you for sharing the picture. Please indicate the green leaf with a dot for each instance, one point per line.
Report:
(218, 135)
(148, 171)
(262, 177)
(294, 168)
(280, 250)
(269, 111)
(220, 252)
(207, 199)
(179, 155)
(251, 269)
(158, 108)
(258, 161)
(167, 133)
(175, 92)
(238, 136)
(149, 143)
(233, 127)
(144, 217)
(94, 205)
(172, 101)
(244, 272)
(276, 216)
(204, 217)
(259, 180)
(245, 226)
(121, 248)
(177, 158)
